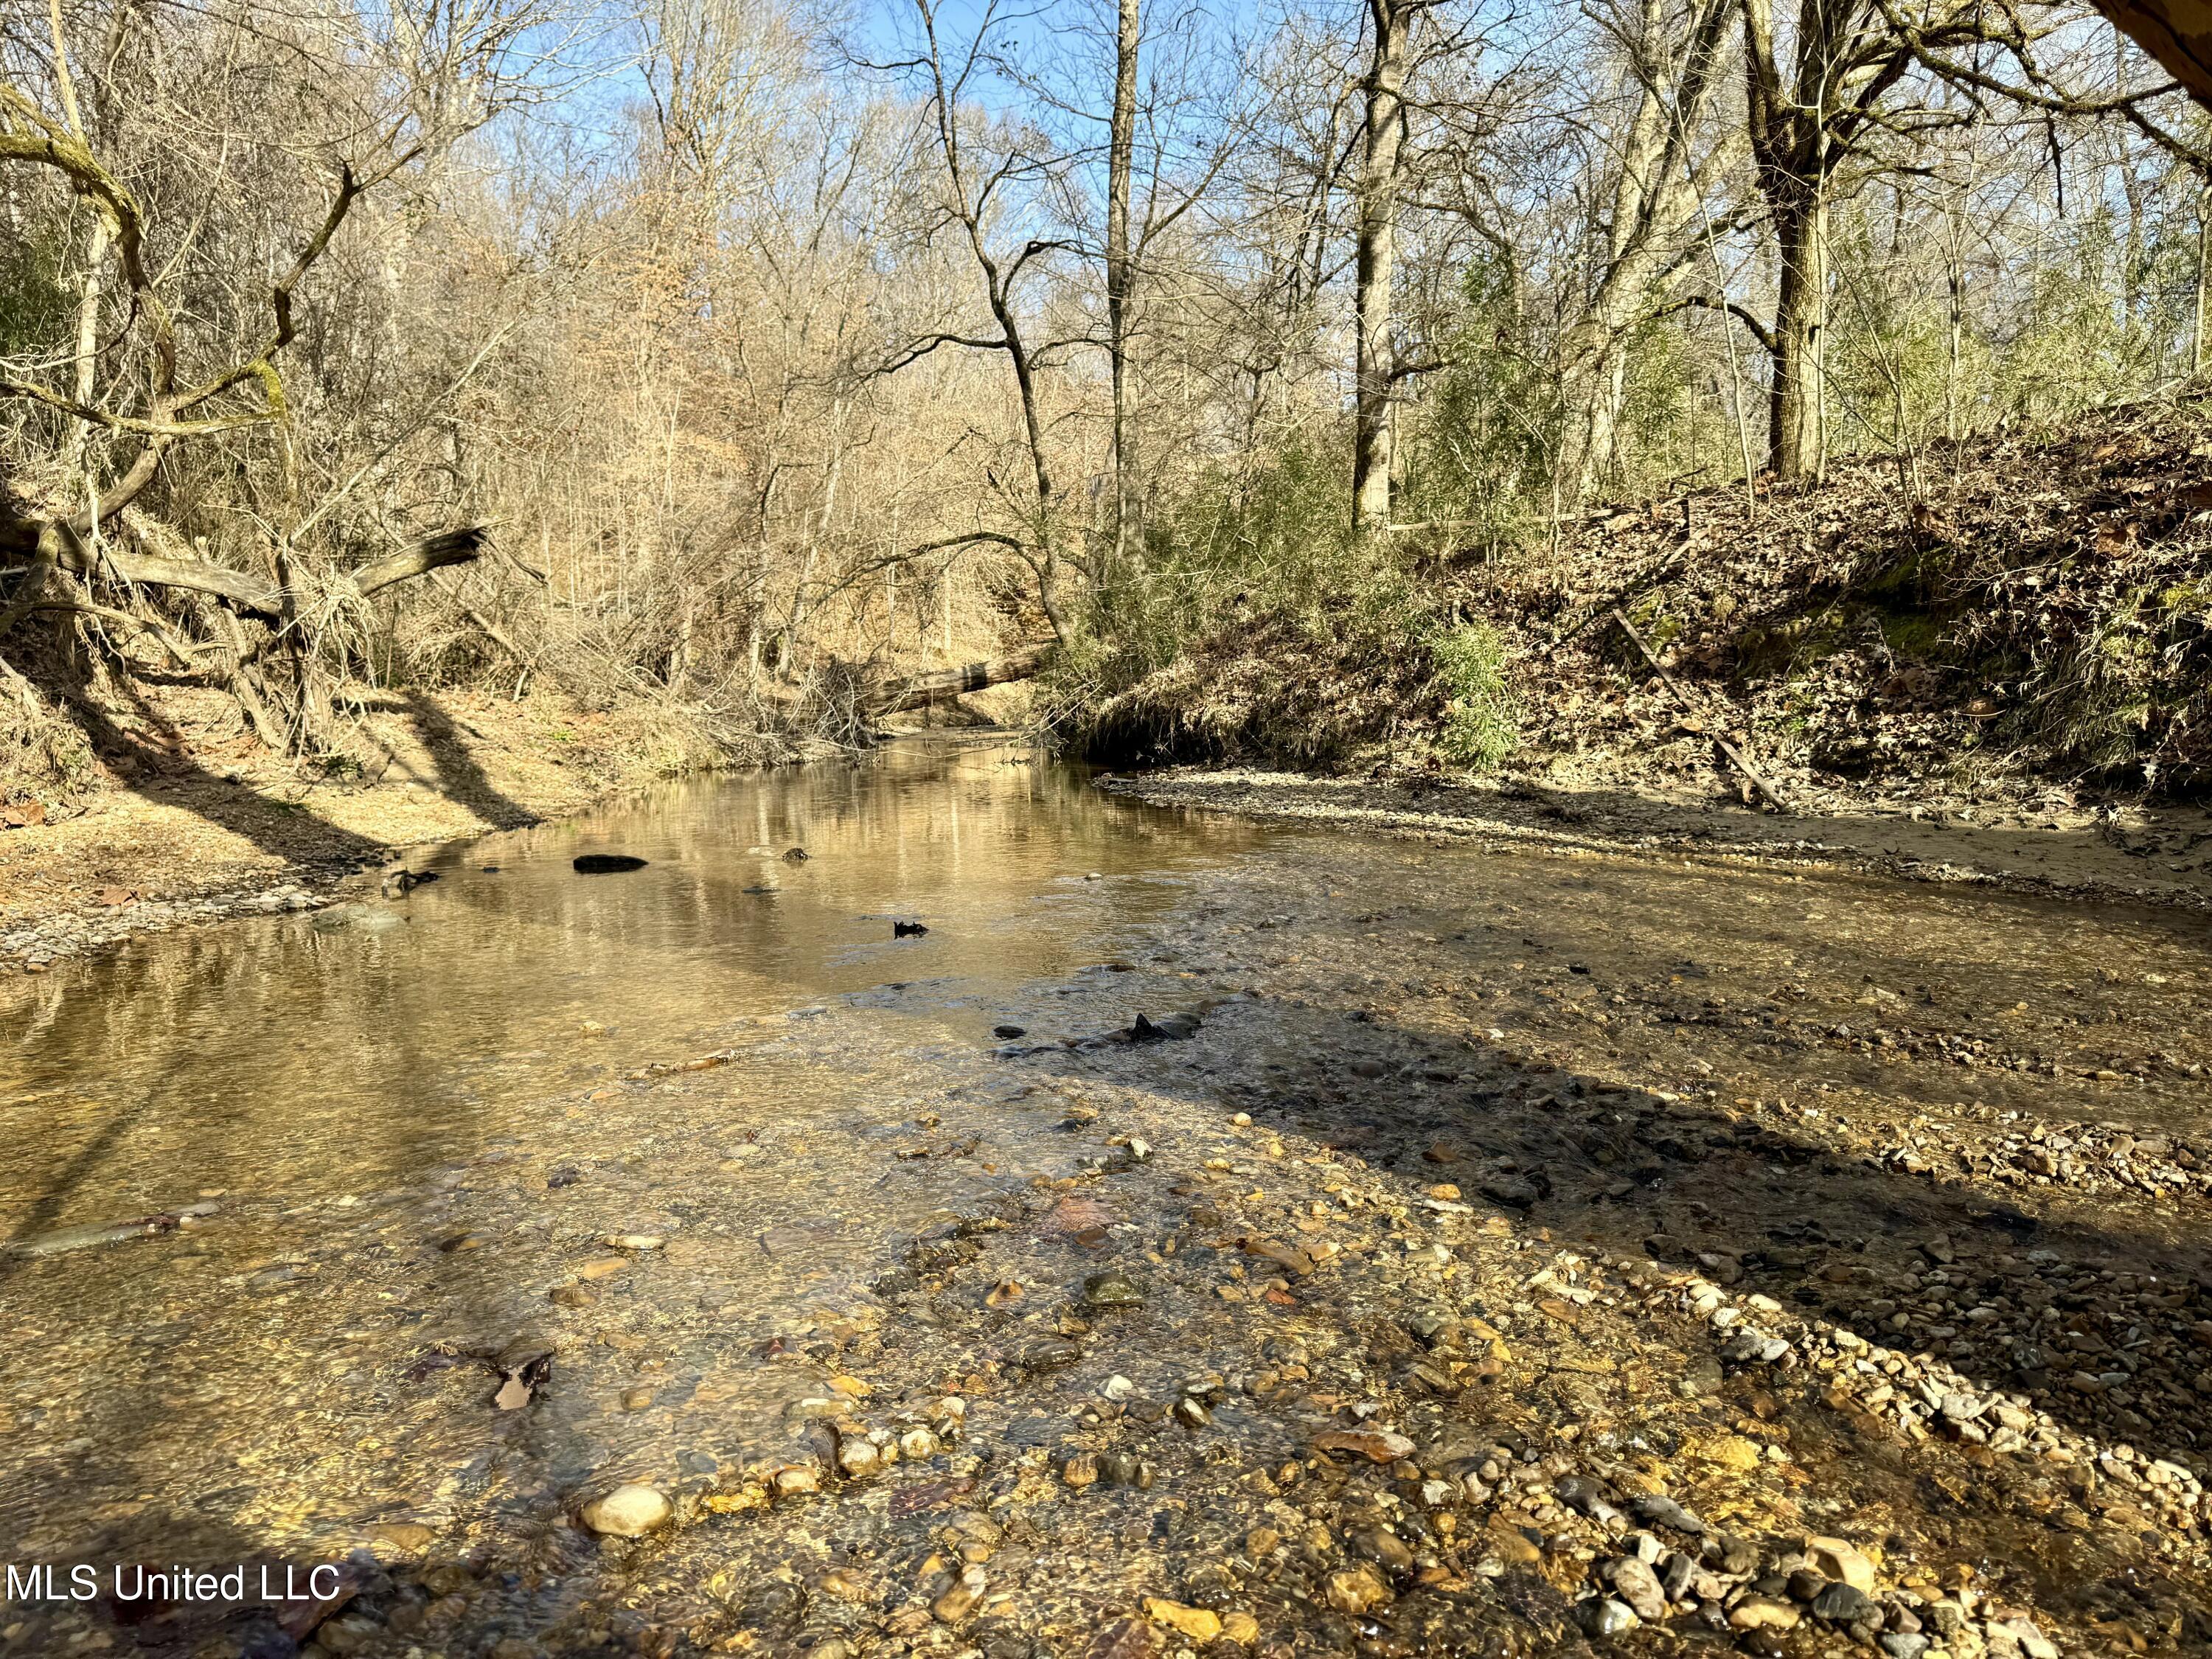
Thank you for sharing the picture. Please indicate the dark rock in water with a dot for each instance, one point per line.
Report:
(606, 864)
(400, 882)
(1112, 1289)
(796, 855)
(489, 869)
(1048, 1353)
(1121, 1469)
(907, 930)
(1007, 1033)
(1176, 1026)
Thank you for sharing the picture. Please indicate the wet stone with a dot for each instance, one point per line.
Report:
(1112, 1289)
(1635, 1583)
(1356, 1589)
(1048, 1353)
(630, 1511)
(1601, 1616)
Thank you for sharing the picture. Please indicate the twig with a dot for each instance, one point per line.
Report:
(1735, 755)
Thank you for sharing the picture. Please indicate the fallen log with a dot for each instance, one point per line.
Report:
(891, 696)
(255, 595)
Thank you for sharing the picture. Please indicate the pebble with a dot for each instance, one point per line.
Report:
(1376, 1445)
(1638, 1586)
(955, 1606)
(1835, 1558)
(1356, 1589)
(1196, 1623)
(630, 1511)
(1602, 1616)
(1845, 1604)
(1112, 1289)
(1762, 1613)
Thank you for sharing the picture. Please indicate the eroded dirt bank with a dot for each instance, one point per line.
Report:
(1524, 1251)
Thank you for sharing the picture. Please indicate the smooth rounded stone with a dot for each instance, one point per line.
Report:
(859, 1457)
(797, 1481)
(917, 1443)
(1385, 1548)
(575, 1296)
(1762, 1613)
(1838, 1560)
(1008, 1033)
(630, 1511)
(1602, 1616)
(1080, 1470)
(1902, 1644)
(1196, 1623)
(1241, 1628)
(1112, 1289)
(1805, 1584)
(1048, 1353)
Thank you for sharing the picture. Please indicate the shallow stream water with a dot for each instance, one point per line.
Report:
(299, 1055)
(678, 1127)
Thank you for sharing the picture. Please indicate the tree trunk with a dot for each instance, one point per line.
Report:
(1120, 278)
(1378, 256)
(1797, 398)
(1589, 438)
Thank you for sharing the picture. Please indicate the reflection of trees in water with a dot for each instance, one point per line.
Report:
(230, 1055)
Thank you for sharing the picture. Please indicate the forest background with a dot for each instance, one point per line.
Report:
(1266, 365)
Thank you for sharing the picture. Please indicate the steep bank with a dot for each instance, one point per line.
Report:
(2016, 622)
(186, 826)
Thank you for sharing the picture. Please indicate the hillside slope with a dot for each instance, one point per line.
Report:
(2021, 617)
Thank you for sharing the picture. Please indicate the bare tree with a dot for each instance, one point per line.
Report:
(1381, 177)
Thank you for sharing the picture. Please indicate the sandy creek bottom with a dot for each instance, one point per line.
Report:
(1461, 1146)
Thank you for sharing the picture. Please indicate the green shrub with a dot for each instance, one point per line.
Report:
(1480, 717)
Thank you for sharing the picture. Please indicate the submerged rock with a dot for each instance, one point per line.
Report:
(1168, 1026)
(630, 1511)
(605, 863)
